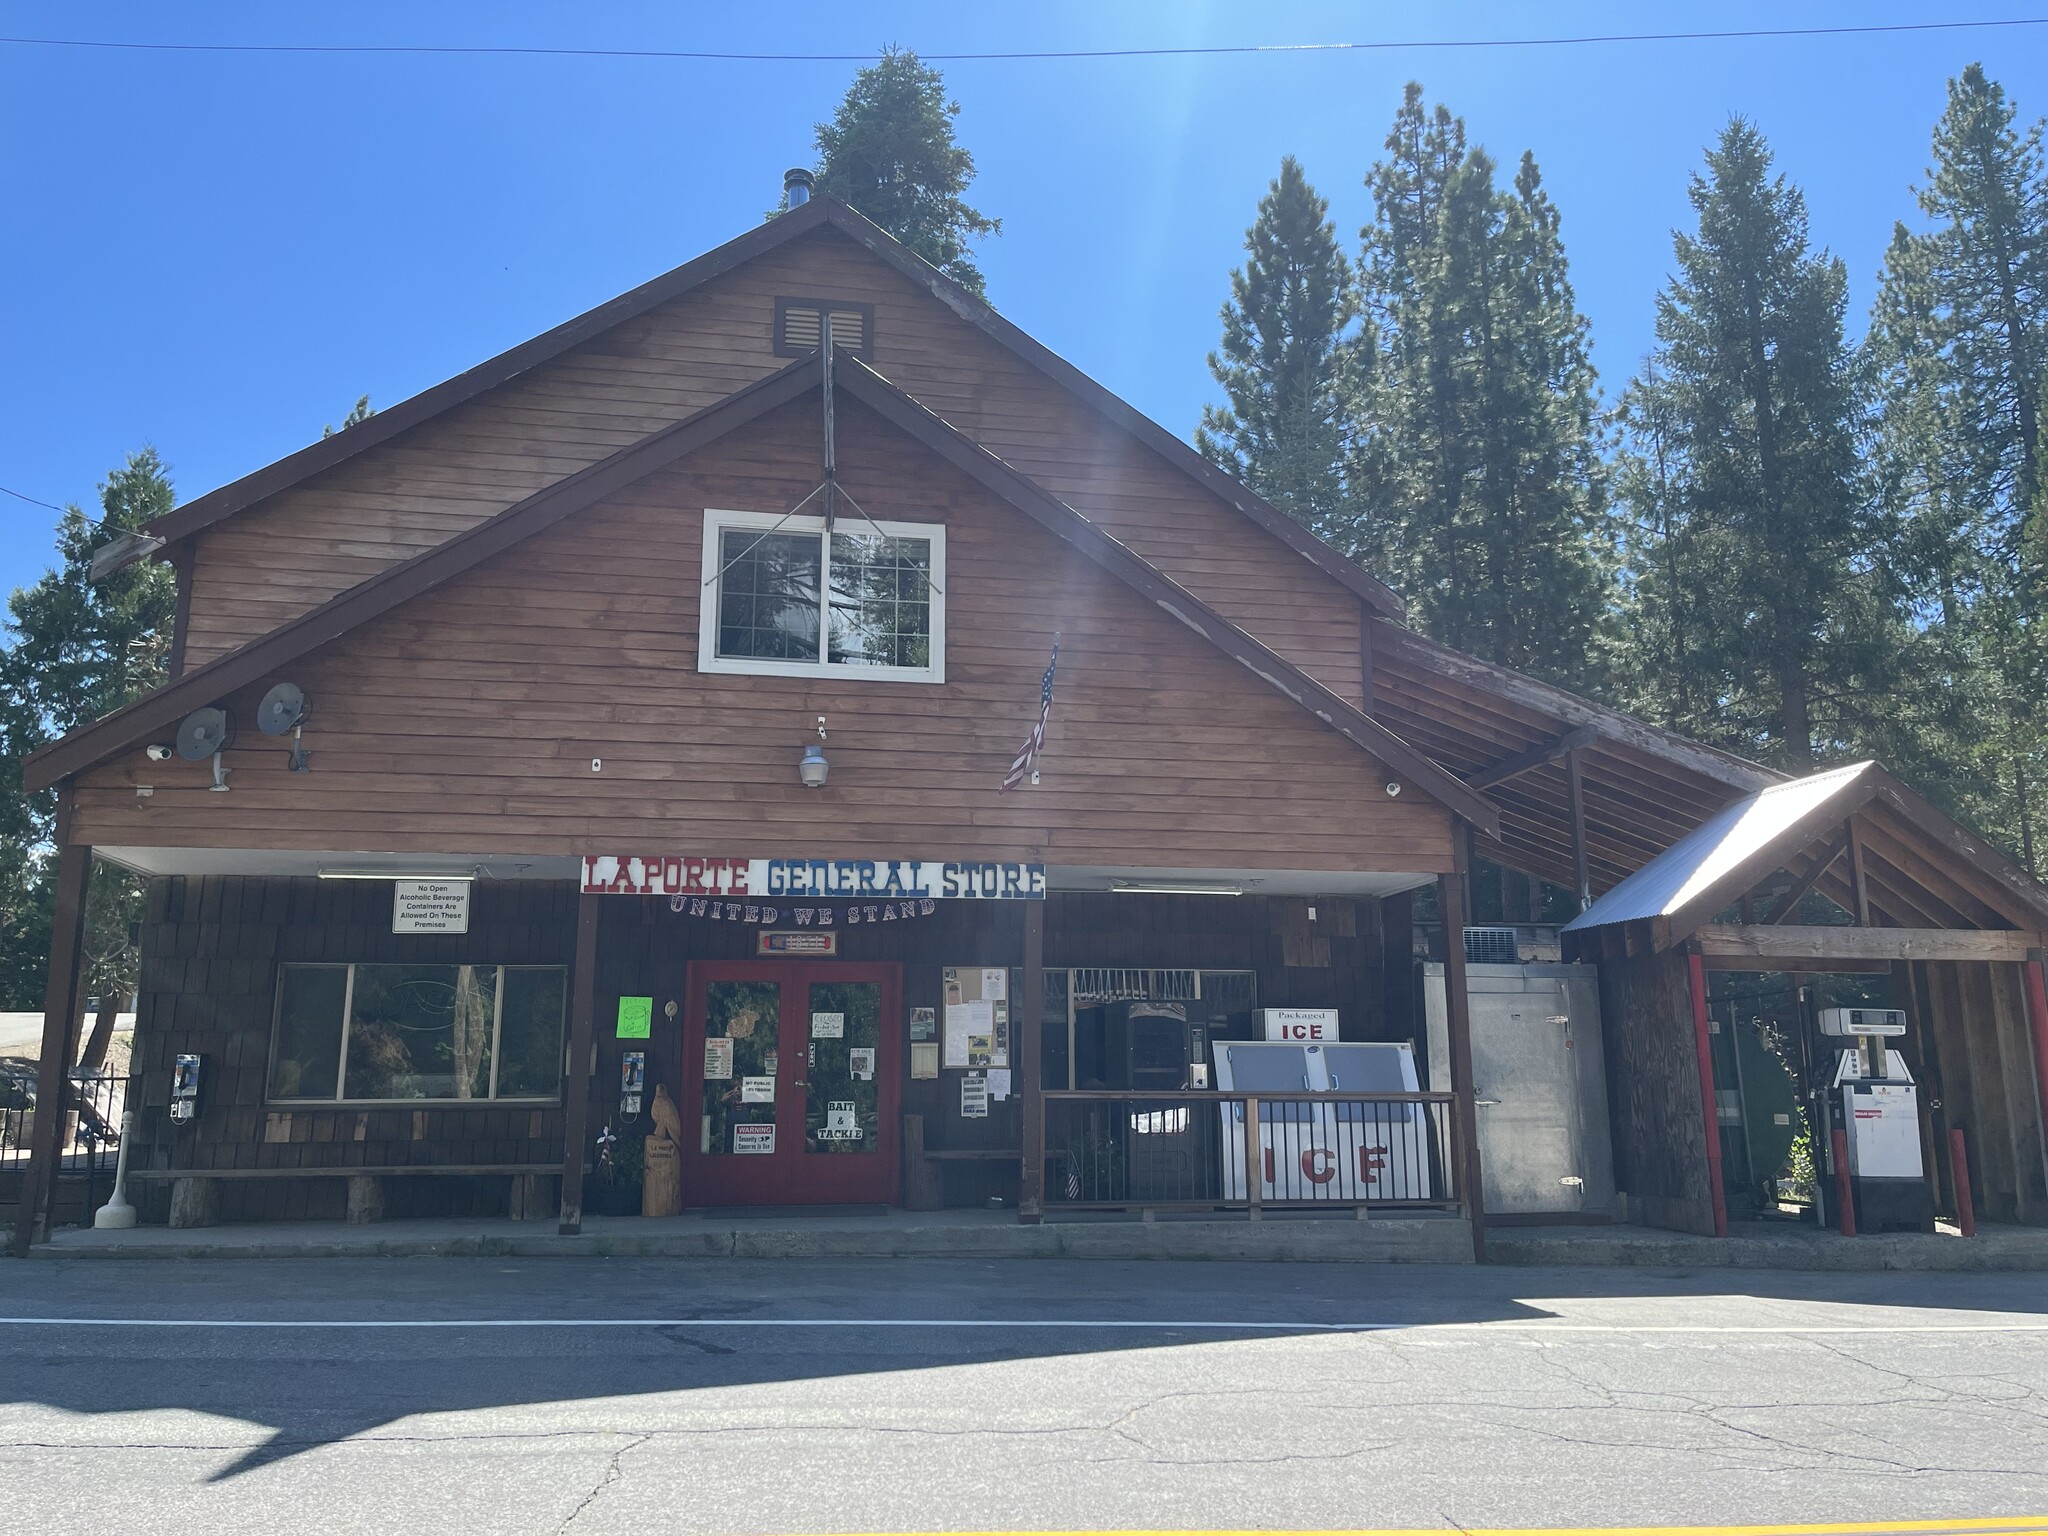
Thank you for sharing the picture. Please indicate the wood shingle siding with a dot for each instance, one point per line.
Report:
(272, 561)
(466, 718)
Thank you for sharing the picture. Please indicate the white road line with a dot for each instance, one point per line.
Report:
(1508, 1325)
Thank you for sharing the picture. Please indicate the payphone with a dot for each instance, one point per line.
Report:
(185, 1079)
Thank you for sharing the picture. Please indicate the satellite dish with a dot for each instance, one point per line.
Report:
(203, 733)
(282, 708)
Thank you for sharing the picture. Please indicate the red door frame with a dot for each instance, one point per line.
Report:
(791, 1176)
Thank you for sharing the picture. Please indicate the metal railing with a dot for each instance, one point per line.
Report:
(1251, 1151)
(92, 1109)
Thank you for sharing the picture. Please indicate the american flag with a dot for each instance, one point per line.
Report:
(1027, 756)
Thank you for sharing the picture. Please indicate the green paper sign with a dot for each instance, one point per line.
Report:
(636, 1018)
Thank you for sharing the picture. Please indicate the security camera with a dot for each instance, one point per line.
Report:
(157, 752)
(1393, 789)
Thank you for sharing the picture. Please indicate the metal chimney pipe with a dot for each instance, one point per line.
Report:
(796, 186)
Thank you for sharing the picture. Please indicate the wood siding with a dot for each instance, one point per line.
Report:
(466, 720)
(211, 949)
(274, 561)
(1976, 1062)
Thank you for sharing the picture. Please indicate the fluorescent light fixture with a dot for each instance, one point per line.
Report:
(1175, 888)
(331, 872)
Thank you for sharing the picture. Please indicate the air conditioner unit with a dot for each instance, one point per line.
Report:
(1863, 1021)
(1521, 944)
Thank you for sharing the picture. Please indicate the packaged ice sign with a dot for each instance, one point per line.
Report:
(754, 1140)
(430, 906)
(1301, 1024)
(1328, 1149)
(637, 874)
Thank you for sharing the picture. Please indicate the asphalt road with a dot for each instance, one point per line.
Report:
(809, 1396)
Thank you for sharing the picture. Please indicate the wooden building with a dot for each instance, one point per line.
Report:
(691, 643)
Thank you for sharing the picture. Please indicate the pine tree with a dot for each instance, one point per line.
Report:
(889, 152)
(1283, 358)
(1767, 613)
(1476, 477)
(75, 650)
(1959, 340)
(358, 413)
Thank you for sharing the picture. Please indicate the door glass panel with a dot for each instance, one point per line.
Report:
(840, 1107)
(739, 1107)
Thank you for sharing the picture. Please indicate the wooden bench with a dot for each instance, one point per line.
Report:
(195, 1192)
(922, 1190)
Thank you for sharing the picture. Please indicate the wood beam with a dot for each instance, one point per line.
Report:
(576, 1081)
(1710, 1103)
(1811, 878)
(1575, 783)
(61, 1003)
(1859, 878)
(1543, 752)
(1774, 943)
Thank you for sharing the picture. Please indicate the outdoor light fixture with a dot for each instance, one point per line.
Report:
(1175, 888)
(812, 767)
(331, 872)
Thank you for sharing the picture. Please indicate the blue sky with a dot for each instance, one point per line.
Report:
(219, 252)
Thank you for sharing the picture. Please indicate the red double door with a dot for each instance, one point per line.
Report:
(790, 1079)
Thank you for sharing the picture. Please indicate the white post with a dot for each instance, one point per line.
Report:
(117, 1212)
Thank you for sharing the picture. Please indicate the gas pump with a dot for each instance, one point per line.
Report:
(1875, 1103)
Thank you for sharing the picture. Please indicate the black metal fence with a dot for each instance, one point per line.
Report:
(93, 1106)
(1251, 1151)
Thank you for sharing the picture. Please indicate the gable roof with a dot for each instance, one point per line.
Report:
(1725, 856)
(128, 727)
(820, 212)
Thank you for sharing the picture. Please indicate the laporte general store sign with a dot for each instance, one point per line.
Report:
(608, 874)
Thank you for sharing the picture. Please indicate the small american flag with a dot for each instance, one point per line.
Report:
(1027, 756)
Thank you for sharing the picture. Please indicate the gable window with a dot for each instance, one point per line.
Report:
(800, 326)
(784, 597)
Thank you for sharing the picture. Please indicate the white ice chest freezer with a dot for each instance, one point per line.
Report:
(1337, 1150)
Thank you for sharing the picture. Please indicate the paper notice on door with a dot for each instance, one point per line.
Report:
(973, 1097)
(757, 1090)
(860, 1061)
(999, 1082)
(828, 1026)
(718, 1058)
(995, 984)
(755, 1140)
(924, 1058)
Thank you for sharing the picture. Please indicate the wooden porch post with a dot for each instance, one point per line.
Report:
(61, 1004)
(1582, 870)
(576, 1081)
(1696, 971)
(1026, 1028)
(1458, 1030)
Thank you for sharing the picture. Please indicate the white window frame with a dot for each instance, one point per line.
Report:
(719, 521)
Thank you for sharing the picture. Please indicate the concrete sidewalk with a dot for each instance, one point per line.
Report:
(895, 1234)
(889, 1234)
(1771, 1245)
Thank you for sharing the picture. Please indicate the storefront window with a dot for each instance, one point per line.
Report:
(379, 1033)
(1088, 1041)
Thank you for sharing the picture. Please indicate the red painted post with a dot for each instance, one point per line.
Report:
(1845, 1199)
(2037, 1017)
(1712, 1107)
(1959, 1169)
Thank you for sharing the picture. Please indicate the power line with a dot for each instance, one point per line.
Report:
(1388, 45)
(34, 501)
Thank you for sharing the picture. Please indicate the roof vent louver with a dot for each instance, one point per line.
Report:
(1492, 946)
(800, 324)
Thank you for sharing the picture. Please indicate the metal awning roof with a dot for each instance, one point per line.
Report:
(1722, 844)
